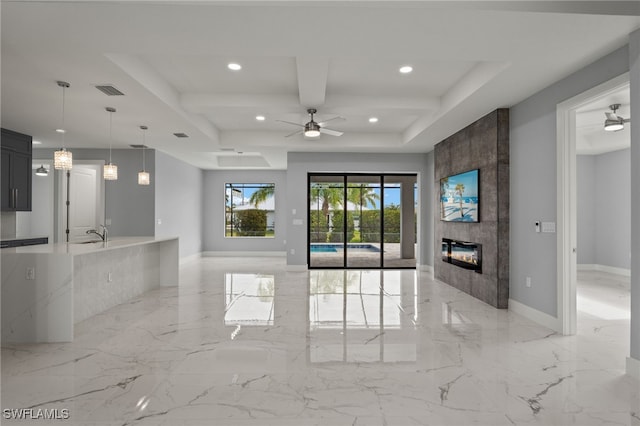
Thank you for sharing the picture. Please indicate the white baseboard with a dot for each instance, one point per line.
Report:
(428, 269)
(633, 368)
(604, 268)
(297, 268)
(535, 315)
(188, 259)
(244, 253)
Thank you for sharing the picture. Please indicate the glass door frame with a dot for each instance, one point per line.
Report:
(345, 176)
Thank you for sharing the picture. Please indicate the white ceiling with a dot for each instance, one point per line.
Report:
(170, 58)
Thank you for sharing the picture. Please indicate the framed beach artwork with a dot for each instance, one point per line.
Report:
(459, 198)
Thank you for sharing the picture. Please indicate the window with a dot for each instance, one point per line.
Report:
(250, 210)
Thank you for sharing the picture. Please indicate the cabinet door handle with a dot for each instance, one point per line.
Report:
(12, 202)
(15, 202)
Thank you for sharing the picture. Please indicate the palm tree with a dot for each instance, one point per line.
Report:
(329, 195)
(460, 190)
(362, 195)
(444, 187)
(262, 194)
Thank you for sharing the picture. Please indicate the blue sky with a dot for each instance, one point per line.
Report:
(469, 180)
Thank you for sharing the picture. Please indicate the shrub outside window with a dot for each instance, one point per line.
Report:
(250, 210)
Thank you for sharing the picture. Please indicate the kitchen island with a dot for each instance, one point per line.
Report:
(46, 289)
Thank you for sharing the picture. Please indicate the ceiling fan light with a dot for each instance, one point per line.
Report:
(613, 125)
(312, 129)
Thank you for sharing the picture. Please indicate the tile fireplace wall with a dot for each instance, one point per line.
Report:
(483, 145)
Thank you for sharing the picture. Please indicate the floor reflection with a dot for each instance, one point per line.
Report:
(249, 299)
(362, 316)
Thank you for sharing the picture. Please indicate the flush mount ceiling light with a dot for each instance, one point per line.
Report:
(234, 66)
(406, 69)
(62, 159)
(42, 171)
(110, 170)
(614, 122)
(143, 176)
(373, 120)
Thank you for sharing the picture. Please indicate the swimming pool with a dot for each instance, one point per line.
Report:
(354, 248)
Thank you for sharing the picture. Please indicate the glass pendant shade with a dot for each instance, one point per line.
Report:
(62, 159)
(144, 178)
(110, 172)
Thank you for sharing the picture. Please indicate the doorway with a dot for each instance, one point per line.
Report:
(83, 189)
(361, 221)
(567, 202)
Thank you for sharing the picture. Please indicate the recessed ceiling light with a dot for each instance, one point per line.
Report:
(60, 130)
(373, 120)
(260, 117)
(234, 67)
(406, 69)
(34, 142)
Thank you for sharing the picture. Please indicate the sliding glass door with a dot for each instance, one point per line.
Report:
(358, 221)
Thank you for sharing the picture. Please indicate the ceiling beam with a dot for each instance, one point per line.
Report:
(312, 80)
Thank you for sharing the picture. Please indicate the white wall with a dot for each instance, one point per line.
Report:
(39, 221)
(300, 164)
(178, 202)
(214, 212)
(533, 181)
(634, 71)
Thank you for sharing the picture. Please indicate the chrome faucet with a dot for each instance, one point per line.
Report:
(103, 235)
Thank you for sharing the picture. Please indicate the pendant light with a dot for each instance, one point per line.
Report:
(110, 170)
(62, 159)
(42, 171)
(143, 176)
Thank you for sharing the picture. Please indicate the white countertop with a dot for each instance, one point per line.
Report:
(83, 248)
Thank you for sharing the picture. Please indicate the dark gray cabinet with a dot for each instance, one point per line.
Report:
(16, 172)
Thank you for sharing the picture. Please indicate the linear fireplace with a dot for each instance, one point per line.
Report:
(463, 254)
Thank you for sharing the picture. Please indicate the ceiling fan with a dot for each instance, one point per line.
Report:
(614, 122)
(313, 129)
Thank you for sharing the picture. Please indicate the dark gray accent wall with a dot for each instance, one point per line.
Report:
(483, 145)
(214, 189)
(533, 147)
(179, 202)
(131, 207)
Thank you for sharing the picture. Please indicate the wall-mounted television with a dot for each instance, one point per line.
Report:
(459, 197)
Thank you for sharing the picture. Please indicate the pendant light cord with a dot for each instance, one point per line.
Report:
(144, 146)
(110, 136)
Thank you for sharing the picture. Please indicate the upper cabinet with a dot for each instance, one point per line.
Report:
(15, 182)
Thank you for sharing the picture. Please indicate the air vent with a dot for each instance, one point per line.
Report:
(109, 90)
(138, 146)
(227, 149)
(180, 135)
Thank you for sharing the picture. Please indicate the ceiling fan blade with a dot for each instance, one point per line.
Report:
(290, 122)
(331, 132)
(331, 119)
(298, 132)
(611, 116)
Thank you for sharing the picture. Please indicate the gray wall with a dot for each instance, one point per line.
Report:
(214, 184)
(299, 164)
(586, 209)
(129, 206)
(604, 209)
(179, 202)
(533, 181)
(613, 209)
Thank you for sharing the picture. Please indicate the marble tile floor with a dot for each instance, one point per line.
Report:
(244, 342)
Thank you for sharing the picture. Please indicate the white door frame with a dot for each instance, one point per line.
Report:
(566, 198)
